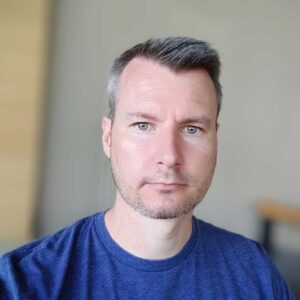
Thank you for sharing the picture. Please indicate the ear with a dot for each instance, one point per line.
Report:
(106, 135)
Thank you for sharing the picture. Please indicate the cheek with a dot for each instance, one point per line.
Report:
(127, 151)
(209, 149)
(201, 159)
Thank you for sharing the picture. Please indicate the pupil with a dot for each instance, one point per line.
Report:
(191, 129)
(143, 126)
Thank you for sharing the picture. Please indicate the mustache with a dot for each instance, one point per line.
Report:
(166, 177)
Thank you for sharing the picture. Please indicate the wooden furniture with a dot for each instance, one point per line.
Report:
(274, 212)
(23, 54)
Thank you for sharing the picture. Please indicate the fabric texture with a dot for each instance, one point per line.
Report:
(83, 262)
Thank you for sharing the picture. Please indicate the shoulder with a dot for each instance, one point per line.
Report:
(45, 258)
(239, 257)
(51, 243)
(219, 237)
(233, 246)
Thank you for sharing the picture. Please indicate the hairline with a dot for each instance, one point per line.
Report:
(163, 64)
(117, 78)
(123, 61)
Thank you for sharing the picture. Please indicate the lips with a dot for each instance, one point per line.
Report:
(168, 185)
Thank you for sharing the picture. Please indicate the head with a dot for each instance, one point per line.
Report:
(176, 53)
(161, 131)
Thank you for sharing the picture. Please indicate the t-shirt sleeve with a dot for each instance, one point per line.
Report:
(6, 286)
(280, 289)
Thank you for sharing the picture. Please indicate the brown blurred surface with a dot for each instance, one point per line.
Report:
(275, 211)
(23, 46)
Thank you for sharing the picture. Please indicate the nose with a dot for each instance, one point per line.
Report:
(168, 150)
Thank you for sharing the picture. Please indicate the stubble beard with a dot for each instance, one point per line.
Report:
(133, 198)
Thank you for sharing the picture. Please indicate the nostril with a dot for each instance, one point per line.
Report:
(169, 161)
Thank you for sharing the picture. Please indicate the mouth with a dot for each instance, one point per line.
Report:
(168, 186)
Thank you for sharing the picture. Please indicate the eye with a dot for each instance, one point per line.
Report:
(143, 126)
(192, 130)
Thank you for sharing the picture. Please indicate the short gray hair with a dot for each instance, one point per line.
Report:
(177, 53)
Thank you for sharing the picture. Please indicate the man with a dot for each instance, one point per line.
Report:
(161, 138)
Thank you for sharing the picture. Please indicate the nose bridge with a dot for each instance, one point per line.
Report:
(169, 148)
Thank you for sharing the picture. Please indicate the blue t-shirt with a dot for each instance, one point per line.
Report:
(83, 262)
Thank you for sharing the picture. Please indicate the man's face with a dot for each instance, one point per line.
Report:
(163, 141)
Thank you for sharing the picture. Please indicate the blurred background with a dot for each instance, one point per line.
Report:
(54, 61)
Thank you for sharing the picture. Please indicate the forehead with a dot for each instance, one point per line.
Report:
(145, 82)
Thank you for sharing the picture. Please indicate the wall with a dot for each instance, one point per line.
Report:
(258, 139)
(23, 56)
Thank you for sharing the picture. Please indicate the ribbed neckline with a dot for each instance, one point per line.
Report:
(139, 263)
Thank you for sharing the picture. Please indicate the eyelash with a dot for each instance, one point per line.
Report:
(197, 129)
(138, 125)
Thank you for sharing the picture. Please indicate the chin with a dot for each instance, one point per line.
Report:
(164, 213)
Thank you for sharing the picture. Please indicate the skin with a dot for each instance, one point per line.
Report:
(162, 146)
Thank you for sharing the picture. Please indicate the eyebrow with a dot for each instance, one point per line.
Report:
(200, 120)
(141, 115)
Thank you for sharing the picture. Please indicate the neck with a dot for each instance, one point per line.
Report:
(145, 237)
